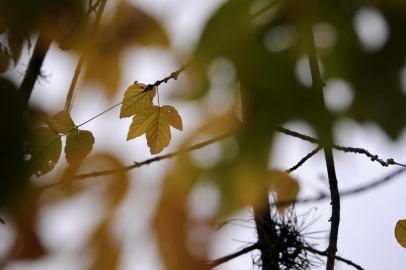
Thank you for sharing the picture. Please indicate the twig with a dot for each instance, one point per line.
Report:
(147, 161)
(304, 159)
(355, 150)
(234, 255)
(324, 196)
(79, 66)
(34, 68)
(328, 153)
(338, 258)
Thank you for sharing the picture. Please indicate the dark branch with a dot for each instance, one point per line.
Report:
(304, 159)
(338, 258)
(234, 255)
(34, 68)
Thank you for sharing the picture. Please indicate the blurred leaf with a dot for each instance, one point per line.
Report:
(61, 122)
(173, 116)
(400, 232)
(128, 27)
(45, 147)
(136, 99)
(79, 144)
(285, 187)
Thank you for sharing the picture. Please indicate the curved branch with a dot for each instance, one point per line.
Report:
(338, 258)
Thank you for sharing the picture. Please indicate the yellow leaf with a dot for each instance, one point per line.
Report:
(79, 144)
(173, 116)
(400, 232)
(141, 123)
(159, 133)
(61, 122)
(136, 99)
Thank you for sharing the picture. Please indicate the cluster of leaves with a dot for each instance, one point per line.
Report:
(149, 119)
(45, 144)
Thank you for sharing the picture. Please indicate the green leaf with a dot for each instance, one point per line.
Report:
(400, 232)
(45, 147)
(61, 122)
(173, 116)
(136, 99)
(78, 145)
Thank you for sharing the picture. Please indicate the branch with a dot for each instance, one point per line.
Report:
(363, 188)
(79, 66)
(34, 68)
(338, 258)
(147, 161)
(304, 159)
(328, 153)
(346, 149)
(234, 255)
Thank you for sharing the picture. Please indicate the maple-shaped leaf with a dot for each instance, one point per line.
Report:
(45, 147)
(400, 232)
(61, 122)
(136, 99)
(155, 123)
(173, 116)
(79, 143)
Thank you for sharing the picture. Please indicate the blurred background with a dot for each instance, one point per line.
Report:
(65, 227)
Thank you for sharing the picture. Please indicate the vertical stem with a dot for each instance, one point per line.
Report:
(34, 68)
(326, 138)
(79, 66)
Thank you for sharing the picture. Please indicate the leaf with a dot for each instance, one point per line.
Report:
(173, 116)
(45, 147)
(78, 145)
(155, 123)
(400, 232)
(61, 122)
(136, 99)
(4, 59)
(15, 43)
(285, 186)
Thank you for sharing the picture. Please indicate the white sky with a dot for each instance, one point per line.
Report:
(367, 220)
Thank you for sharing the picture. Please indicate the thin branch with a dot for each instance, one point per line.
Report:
(304, 159)
(338, 258)
(328, 153)
(346, 149)
(147, 161)
(234, 255)
(79, 66)
(349, 192)
(34, 68)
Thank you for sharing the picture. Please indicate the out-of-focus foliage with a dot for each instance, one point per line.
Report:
(400, 232)
(128, 27)
(266, 49)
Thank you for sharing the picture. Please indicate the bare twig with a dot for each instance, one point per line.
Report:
(347, 149)
(304, 159)
(234, 255)
(328, 153)
(338, 258)
(79, 66)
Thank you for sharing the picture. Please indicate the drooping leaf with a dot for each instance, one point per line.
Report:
(155, 123)
(136, 99)
(15, 43)
(400, 232)
(4, 59)
(45, 147)
(61, 122)
(78, 145)
(173, 116)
